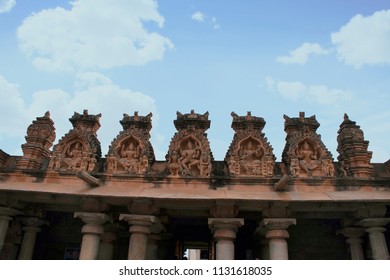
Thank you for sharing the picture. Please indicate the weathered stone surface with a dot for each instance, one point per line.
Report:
(131, 152)
(189, 152)
(354, 157)
(79, 149)
(40, 137)
(304, 154)
(249, 154)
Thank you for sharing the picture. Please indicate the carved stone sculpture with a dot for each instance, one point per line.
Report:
(304, 154)
(40, 137)
(353, 150)
(249, 154)
(131, 152)
(189, 152)
(79, 149)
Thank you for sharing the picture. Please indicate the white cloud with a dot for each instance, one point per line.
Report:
(12, 110)
(291, 90)
(201, 17)
(301, 54)
(6, 5)
(93, 34)
(198, 16)
(364, 40)
(94, 92)
(319, 94)
(214, 23)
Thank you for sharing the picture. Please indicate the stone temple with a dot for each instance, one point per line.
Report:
(63, 199)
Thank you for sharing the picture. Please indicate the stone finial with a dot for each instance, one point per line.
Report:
(193, 119)
(86, 121)
(354, 156)
(39, 139)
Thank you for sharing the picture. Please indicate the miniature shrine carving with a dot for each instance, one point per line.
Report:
(304, 154)
(249, 153)
(40, 137)
(354, 156)
(189, 152)
(79, 149)
(131, 152)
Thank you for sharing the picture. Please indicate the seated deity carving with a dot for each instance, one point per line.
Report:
(73, 157)
(250, 159)
(308, 160)
(130, 157)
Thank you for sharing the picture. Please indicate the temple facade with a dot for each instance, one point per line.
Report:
(65, 200)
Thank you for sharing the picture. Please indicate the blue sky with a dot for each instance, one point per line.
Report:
(268, 57)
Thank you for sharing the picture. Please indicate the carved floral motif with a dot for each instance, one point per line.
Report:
(249, 154)
(189, 152)
(304, 154)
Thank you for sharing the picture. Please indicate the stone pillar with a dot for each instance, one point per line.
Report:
(277, 234)
(31, 227)
(139, 229)
(354, 239)
(106, 247)
(224, 231)
(376, 228)
(92, 230)
(6, 215)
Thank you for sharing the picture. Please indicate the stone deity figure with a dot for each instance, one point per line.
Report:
(307, 159)
(130, 157)
(249, 159)
(173, 164)
(189, 157)
(111, 165)
(92, 164)
(294, 167)
(74, 156)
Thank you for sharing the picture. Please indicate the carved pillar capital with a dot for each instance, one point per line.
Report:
(278, 223)
(373, 222)
(354, 234)
(93, 222)
(7, 211)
